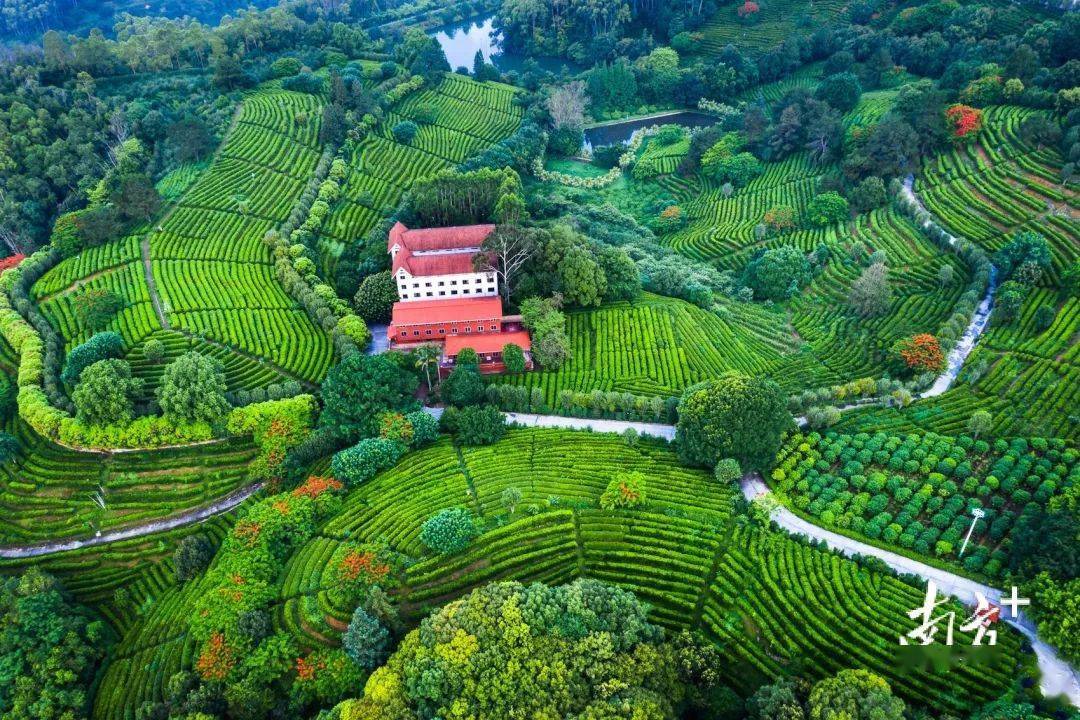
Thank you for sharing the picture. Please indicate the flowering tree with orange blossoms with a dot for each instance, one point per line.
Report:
(780, 217)
(325, 676)
(216, 659)
(964, 120)
(625, 490)
(355, 568)
(749, 11)
(920, 353)
(316, 485)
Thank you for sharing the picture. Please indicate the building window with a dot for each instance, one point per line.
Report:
(441, 283)
(427, 332)
(494, 327)
(465, 291)
(442, 331)
(453, 282)
(453, 331)
(404, 333)
(465, 281)
(441, 293)
(453, 292)
(429, 294)
(416, 333)
(427, 284)
(468, 329)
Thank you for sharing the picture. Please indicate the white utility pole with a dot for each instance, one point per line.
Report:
(979, 514)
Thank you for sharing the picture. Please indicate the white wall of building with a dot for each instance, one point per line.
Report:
(442, 287)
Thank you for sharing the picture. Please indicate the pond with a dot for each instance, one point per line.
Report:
(621, 131)
(460, 42)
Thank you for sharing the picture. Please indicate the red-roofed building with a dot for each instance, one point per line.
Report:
(444, 300)
(433, 263)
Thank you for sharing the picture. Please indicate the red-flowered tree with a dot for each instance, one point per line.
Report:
(749, 11)
(964, 120)
(919, 353)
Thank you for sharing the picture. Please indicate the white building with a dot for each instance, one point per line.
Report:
(437, 263)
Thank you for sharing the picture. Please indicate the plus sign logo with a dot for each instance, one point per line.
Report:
(1015, 602)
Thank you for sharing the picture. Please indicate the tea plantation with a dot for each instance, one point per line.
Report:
(683, 551)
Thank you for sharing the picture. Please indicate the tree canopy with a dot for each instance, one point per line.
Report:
(734, 416)
(528, 651)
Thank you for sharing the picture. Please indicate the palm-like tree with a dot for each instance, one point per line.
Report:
(425, 355)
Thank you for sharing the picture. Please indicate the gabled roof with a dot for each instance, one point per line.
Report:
(436, 251)
(424, 312)
(444, 238)
(486, 342)
(460, 263)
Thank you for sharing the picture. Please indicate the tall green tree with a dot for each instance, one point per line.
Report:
(531, 652)
(854, 695)
(778, 273)
(734, 416)
(49, 650)
(106, 393)
(193, 389)
(361, 387)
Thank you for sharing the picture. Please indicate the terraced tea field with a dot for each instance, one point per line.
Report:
(999, 185)
(680, 552)
(214, 276)
(49, 492)
(659, 346)
(1030, 385)
(465, 117)
(777, 20)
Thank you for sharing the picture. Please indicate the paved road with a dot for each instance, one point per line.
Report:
(185, 518)
(1058, 677)
(659, 430)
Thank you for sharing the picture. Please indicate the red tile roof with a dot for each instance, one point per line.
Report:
(428, 265)
(444, 238)
(425, 312)
(487, 342)
(414, 246)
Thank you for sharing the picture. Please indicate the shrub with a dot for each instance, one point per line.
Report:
(727, 471)
(625, 490)
(480, 425)
(425, 428)
(285, 67)
(192, 556)
(362, 461)
(448, 531)
(154, 350)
